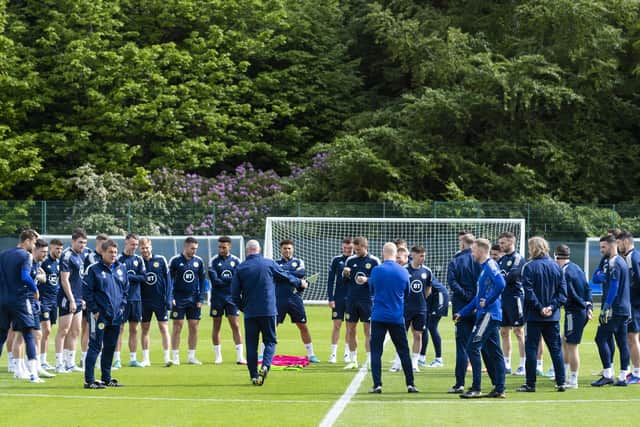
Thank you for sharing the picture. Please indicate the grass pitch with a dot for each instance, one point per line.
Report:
(222, 394)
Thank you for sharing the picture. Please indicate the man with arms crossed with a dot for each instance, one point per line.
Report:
(337, 294)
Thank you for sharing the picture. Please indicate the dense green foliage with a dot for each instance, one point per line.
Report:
(352, 100)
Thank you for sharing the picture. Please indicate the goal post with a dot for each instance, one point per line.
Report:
(317, 240)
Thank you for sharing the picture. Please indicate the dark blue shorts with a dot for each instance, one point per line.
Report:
(341, 307)
(294, 307)
(358, 311)
(63, 305)
(19, 316)
(133, 312)
(162, 314)
(415, 319)
(222, 304)
(512, 310)
(49, 312)
(574, 323)
(191, 311)
(634, 323)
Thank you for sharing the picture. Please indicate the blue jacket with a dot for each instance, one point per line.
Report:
(578, 290)
(389, 285)
(490, 287)
(511, 266)
(462, 278)
(544, 286)
(253, 288)
(633, 261)
(105, 291)
(615, 289)
(156, 291)
(339, 291)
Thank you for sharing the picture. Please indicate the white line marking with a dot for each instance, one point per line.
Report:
(338, 407)
(163, 399)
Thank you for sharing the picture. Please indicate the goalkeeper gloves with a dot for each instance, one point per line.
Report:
(605, 314)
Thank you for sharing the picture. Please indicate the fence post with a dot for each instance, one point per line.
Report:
(129, 216)
(384, 210)
(613, 215)
(43, 217)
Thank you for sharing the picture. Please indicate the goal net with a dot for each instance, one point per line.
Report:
(318, 240)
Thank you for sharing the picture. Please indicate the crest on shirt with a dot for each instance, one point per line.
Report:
(509, 263)
(156, 264)
(294, 264)
(214, 312)
(45, 314)
(196, 264)
(232, 263)
(367, 266)
(135, 262)
(120, 273)
(101, 326)
(423, 276)
(174, 314)
(104, 275)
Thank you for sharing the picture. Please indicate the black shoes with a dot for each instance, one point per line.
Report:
(262, 375)
(456, 390)
(376, 389)
(524, 388)
(496, 394)
(113, 383)
(602, 382)
(412, 389)
(95, 385)
(471, 394)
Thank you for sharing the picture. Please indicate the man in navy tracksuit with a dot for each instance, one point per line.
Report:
(614, 314)
(462, 278)
(253, 290)
(105, 291)
(485, 338)
(389, 285)
(632, 257)
(337, 287)
(545, 290)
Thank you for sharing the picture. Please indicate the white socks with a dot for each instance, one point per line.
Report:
(191, 354)
(145, 355)
(334, 349)
(132, 356)
(309, 348)
(507, 362)
(523, 360)
(607, 372)
(239, 356)
(116, 356)
(166, 356)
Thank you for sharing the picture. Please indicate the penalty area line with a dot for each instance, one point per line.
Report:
(487, 401)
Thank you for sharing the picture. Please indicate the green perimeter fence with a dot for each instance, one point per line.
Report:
(556, 221)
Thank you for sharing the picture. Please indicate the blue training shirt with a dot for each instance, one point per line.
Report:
(136, 273)
(156, 290)
(633, 261)
(578, 290)
(16, 284)
(615, 289)
(73, 263)
(336, 284)
(360, 266)
(511, 266)
(187, 277)
(389, 285)
(419, 280)
(49, 289)
(295, 268)
(221, 271)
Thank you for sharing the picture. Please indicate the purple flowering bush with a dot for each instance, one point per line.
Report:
(230, 203)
